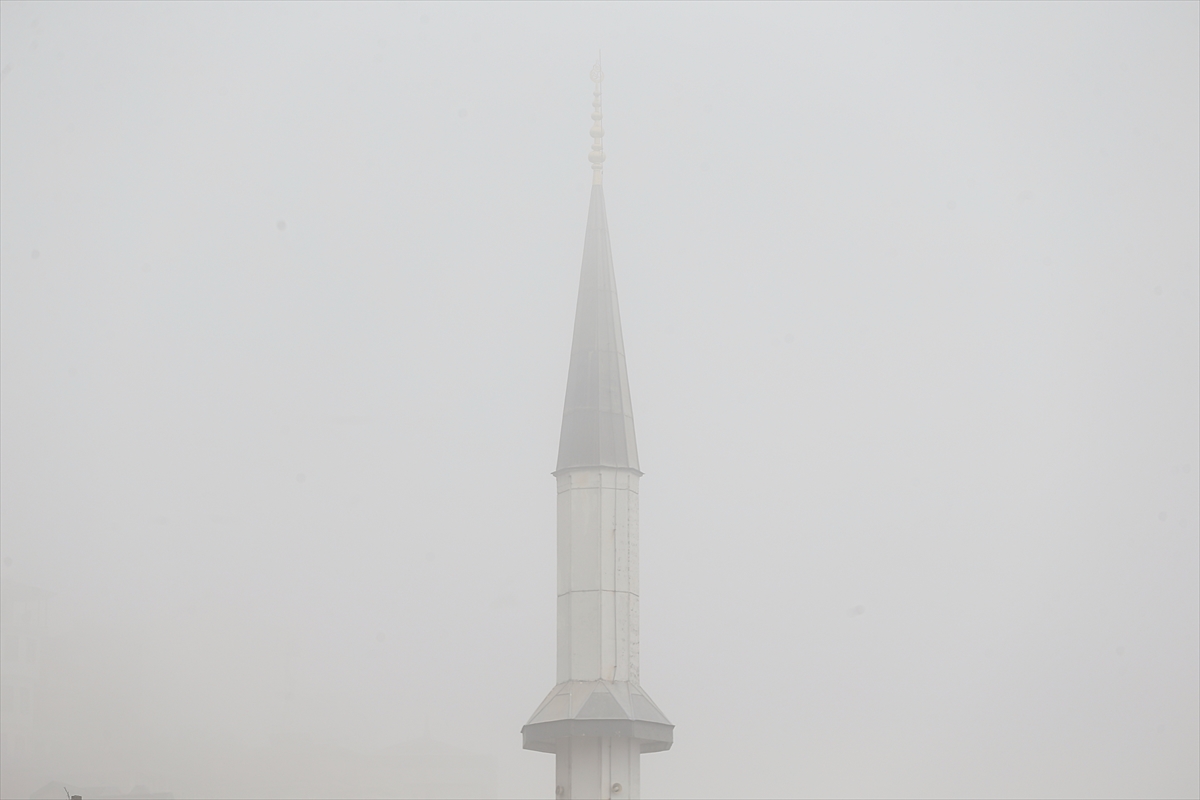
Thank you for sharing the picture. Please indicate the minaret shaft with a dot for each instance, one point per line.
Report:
(604, 767)
(597, 575)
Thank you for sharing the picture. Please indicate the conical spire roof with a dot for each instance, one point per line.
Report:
(597, 426)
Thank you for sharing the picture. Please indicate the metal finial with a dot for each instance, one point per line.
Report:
(597, 154)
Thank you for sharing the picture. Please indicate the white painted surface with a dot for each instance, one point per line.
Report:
(599, 767)
(597, 575)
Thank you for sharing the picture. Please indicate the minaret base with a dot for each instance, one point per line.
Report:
(598, 767)
(598, 731)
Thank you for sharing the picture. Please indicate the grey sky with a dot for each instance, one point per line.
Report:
(910, 306)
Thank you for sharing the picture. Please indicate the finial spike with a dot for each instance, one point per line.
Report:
(597, 154)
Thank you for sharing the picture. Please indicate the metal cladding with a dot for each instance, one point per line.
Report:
(597, 425)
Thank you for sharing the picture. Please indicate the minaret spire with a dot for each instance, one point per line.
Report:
(597, 425)
(598, 720)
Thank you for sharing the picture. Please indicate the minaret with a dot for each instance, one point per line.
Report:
(598, 720)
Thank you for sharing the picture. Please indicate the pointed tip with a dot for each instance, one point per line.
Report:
(597, 156)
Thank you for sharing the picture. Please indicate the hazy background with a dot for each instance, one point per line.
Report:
(910, 305)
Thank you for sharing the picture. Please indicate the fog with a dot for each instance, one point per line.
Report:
(910, 307)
